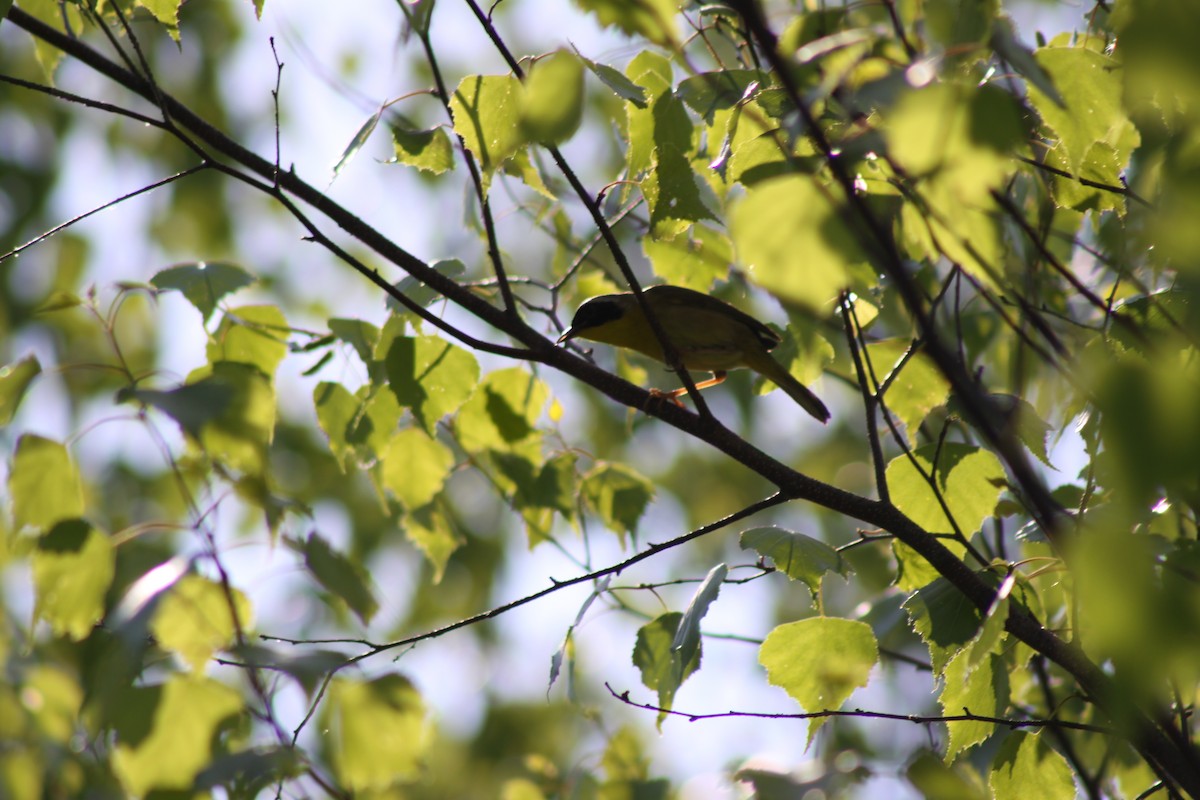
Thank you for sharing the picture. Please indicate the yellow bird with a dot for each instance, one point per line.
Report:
(709, 335)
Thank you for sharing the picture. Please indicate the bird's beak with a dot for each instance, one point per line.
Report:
(567, 336)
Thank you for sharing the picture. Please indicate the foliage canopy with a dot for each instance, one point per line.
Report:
(266, 465)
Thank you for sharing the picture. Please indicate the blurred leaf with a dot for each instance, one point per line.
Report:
(15, 379)
(356, 144)
(969, 480)
(790, 238)
(337, 411)
(165, 732)
(194, 619)
(819, 662)
(654, 19)
(59, 301)
(44, 483)
(240, 436)
(687, 636)
(1004, 41)
(254, 335)
(363, 337)
(202, 283)
(340, 576)
(707, 92)
(956, 23)
(430, 376)
(552, 106)
(309, 666)
(378, 736)
(1026, 766)
(192, 405)
(798, 556)
(415, 467)
(73, 568)
(429, 151)
(428, 528)
(166, 12)
(618, 495)
(937, 780)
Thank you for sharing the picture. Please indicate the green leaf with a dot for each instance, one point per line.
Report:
(695, 259)
(1026, 766)
(790, 237)
(618, 495)
(820, 661)
(624, 88)
(44, 484)
(503, 411)
(15, 379)
(363, 337)
(192, 405)
(430, 376)
(968, 478)
(944, 619)
(429, 151)
(552, 106)
(654, 19)
(165, 733)
(937, 780)
(687, 636)
(671, 188)
(309, 666)
(487, 115)
(915, 385)
(981, 690)
(240, 436)
(421, 293)
(254, 335)
(1090, 84)
(798, 556)
(708, 92)
(73, 568)
(340, 576)
(414, 467)
(430, 531)
(958, 23)
(202, 283)
(377, 735)
(356, 144)
(660, 664)
(194, 619)
(166, 12)
(337, 413)
(1006, 44)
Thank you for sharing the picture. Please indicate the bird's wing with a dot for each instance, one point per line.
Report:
(689, 298)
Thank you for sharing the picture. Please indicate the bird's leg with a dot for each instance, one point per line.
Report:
(718, 377)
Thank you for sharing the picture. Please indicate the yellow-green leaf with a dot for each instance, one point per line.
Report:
(165, 733)
(377, 733)
(73, 568)
(792, 242)
(415, 467)
(552, 106)
(194, 619)
(44, 483)
(968, 479)
(430, 376)
(253, 335)
(14, 382)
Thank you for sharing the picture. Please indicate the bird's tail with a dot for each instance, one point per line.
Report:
(772, 369)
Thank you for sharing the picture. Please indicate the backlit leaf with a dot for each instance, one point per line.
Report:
(44, 483)
(73, 568)
(15, 379)
(203, 283)
(377, 731)
(194, 619)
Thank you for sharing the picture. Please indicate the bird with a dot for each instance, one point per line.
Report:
(708, 335)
